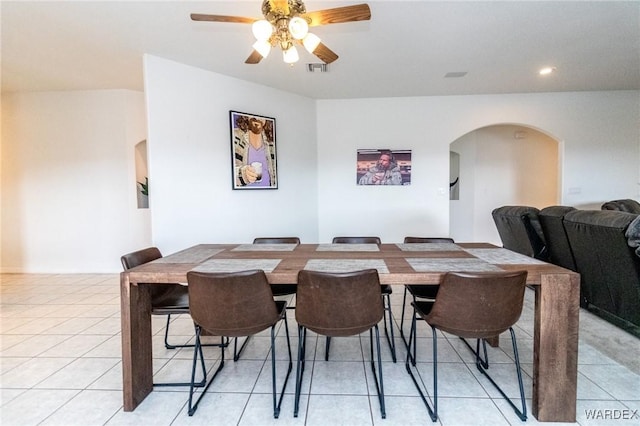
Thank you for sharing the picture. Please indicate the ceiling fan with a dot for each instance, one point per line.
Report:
(286, 24)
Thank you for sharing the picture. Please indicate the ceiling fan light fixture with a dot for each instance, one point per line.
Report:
(263, 47)
(262, 29)
(290, 56)
(298, 28)
(286, 23)
(310, 42)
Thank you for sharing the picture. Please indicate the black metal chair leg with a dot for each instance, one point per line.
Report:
(435, 373)
(327, 345)
(166, 334)
(476, 351)
(198, 349)
(386, 304)
(204, 372)
(404, 301)
(378, 378)
(276, 406)
(522, 413)
(236, 352)
(302, 337)
(410, 360)
(186, 345)
(404, 339)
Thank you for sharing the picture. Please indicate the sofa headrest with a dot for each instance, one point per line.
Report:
(602, 218)
(627, 205)
(515, 211)
(556, 211)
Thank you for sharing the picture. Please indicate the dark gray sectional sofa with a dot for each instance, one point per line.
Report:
(603, 246)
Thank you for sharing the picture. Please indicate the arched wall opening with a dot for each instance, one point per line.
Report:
(142, 174)
(502, 164)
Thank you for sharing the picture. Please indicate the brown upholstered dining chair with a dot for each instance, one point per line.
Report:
(479, 306)
(276, 289)
(280, 289)
(419, 291)
(235, 304)
(166, 299)
(336, 305)
(386, 295)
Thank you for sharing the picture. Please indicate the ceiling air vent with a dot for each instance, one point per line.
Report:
(455, 74)
(320, 67)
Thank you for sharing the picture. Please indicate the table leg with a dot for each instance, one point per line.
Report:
(494, 341)
(555, 348)
(137, 362)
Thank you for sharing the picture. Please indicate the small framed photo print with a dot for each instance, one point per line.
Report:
(253, 151)
(383, 167)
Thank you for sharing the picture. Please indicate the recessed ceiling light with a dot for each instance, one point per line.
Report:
(547, 70)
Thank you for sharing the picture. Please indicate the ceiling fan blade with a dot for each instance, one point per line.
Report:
(254, 58)
(325, 54)
(222, 18)
(358, 12)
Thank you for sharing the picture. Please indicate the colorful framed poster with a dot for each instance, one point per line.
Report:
(253, 151)
(383, 167)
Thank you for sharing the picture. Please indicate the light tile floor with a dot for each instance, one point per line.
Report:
(60, 365)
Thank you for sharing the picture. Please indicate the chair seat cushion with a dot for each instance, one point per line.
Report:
(423, 308)
(169, 299)
(283, 289)
(423, 291)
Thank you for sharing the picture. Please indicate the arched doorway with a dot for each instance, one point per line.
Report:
(502, 164)
(142, 189)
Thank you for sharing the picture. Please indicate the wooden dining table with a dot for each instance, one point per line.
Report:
(555, 333)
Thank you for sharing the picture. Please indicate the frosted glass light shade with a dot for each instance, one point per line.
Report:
(290, 55)
(298, 28)
(262, 29)
(310, 42)
(263, 47)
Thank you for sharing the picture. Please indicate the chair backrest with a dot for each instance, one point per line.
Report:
(480, 304)
(356, 240)
(161, 294)
(552, 223)
(520, 230)
(231, 304)
(609, 269)
(140, 257)
(338, 304)
(627, 205)
(413, 240)
(276, 240)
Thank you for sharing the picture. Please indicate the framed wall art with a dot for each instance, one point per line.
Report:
(383, 167)
(253, 151)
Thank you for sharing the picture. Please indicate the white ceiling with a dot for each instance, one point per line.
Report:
(405, 50)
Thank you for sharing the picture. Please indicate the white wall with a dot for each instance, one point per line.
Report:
(390, 212)
(599, 131)
(190, 160)
(502, 169)
(68, 171)
(68, 182)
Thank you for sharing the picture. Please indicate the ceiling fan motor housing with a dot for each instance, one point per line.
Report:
(272, 12)
(286, 24)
